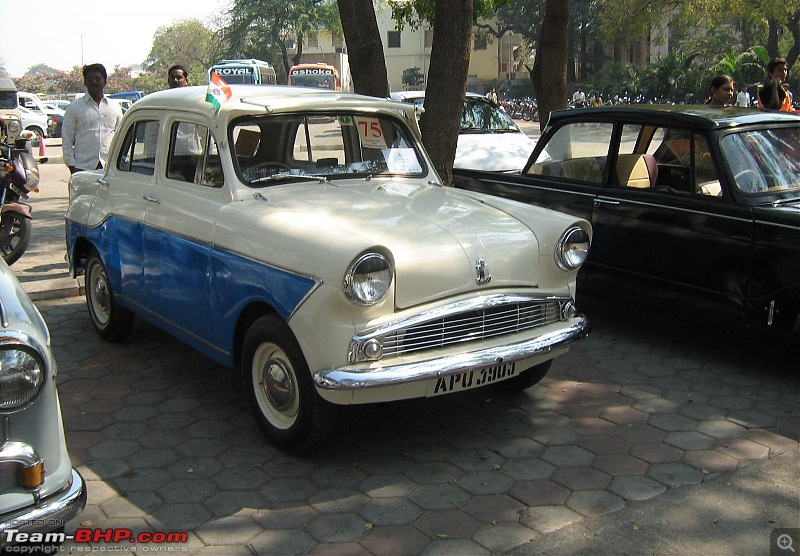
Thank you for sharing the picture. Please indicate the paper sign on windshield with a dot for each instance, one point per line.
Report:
(370, 133)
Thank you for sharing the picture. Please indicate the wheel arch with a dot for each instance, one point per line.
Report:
(249, 314)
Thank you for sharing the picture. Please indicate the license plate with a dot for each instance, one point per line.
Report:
(473, 379)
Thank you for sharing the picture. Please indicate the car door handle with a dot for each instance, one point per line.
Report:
(151, 199)
(599, 202)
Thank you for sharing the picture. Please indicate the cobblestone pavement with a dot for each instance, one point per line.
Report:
(166, 443)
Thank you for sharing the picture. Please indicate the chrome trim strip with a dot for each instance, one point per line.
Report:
(59, 507)
(357, 377)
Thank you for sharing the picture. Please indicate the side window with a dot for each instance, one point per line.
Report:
(684, 162)
(705, 173)
(576, 151)
(138, 152)
(193, 155)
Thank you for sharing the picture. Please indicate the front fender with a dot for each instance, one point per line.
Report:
(23, 209)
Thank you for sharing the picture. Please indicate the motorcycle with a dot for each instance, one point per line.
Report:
(19, 176)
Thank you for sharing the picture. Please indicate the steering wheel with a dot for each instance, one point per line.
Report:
(747, 180)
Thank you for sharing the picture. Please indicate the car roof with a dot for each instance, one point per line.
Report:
(699, 116)
(400, 95)
(246, 99)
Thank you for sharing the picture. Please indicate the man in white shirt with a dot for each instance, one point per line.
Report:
(89, 123)
(743, 99)
(579, 98)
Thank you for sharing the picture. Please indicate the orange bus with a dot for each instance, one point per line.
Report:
(323, 76)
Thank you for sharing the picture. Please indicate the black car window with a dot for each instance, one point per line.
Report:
(764, 160)
(575, 151)
(138, 152)
(193, 155)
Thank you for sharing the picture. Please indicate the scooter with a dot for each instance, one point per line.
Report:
(19, 176)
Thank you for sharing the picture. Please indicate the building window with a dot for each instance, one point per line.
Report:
(428, 38)
(312, 40)
(480, 41)
(393, 39)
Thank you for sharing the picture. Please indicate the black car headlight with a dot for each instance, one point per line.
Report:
(22, 375)
(572, 248)
(368, 278)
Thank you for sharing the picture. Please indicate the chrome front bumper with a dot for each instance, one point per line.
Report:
(52, 512)
(365, 375)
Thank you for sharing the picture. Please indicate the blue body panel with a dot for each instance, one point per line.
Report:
(195, 292)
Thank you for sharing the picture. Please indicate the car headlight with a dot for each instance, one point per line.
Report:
(572, 248)
(22, 374)
(13, 126)
(368, 278)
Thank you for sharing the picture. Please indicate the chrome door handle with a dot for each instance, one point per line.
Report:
(151, 199)
(598, 202)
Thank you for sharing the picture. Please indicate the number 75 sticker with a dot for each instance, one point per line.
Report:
(370, 133)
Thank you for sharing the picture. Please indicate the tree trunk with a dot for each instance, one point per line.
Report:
(549, 75)
(364, 47)
(447, 82)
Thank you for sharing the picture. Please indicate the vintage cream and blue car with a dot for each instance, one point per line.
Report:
(303, 236)
(39, 489)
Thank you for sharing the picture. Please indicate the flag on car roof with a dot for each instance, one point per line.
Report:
(218, 91)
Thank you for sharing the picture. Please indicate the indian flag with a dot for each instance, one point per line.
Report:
(218, 91)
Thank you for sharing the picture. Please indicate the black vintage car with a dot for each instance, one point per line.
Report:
(694, 207)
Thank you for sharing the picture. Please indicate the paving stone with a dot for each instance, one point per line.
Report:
(390, 511)
(543, 420)
(555, 436)
(672, 422)
(594, 502)
(620, 464)
(742, 448)
(539, 493)
(518, 448)
(568, 456)
(546, 519)
(675, 474)
(476, 460)
(711, 461)
(333, 500)
(638, 433)
(282, 541)
(656, 452)
(502, 537)
(721, 429)
(581, 478)
(656, 405)
(454, 547)
(440, 497)
(689, 440)
(450, 523)
(395, 539)
(494, 508)
(433, 472)
(388, 485)
(605, 444)
(636, 488)
(591, 425)
(751, 419)
(624, 415)
(485, 482)
(225, 530)
(287, 517)
(528, 469)
(778, 444)
(337, 527)
(731, 402)
(702, 411)
(640, 391)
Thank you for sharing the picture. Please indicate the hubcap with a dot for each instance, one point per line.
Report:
(278, 385)
(100, 296)
(275, 386)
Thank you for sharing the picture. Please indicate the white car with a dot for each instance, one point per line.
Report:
(34, 122)
(39, 489)
(303, 237)
(488, 138)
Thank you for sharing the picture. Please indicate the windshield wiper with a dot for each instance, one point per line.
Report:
(281, 176)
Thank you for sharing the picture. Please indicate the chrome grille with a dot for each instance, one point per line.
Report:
(470, 326)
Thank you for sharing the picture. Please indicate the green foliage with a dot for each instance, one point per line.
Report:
(414, 12)
(188, 43)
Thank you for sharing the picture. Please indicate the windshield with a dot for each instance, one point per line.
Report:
(271, 149)
(8, 99)
(480, 115)
(764, 160)
(313, 80)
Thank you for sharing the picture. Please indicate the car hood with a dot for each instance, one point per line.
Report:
(434, 235)
(497, 152)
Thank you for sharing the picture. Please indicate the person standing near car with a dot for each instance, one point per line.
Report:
(177, 76)
(743, 98)
(720, 91)
(89, 123)
(774, 95)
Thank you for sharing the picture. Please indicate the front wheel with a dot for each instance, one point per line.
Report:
(279, 388)
(527, 378)
(112, 322)
(15, 235)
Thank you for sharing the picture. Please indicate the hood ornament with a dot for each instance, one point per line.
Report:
(482, 275)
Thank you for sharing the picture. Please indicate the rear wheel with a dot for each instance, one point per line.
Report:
(15, 235)
(279, 388)
(527, 378)
(112, 322)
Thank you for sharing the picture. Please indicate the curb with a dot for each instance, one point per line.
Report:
(55, 288)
